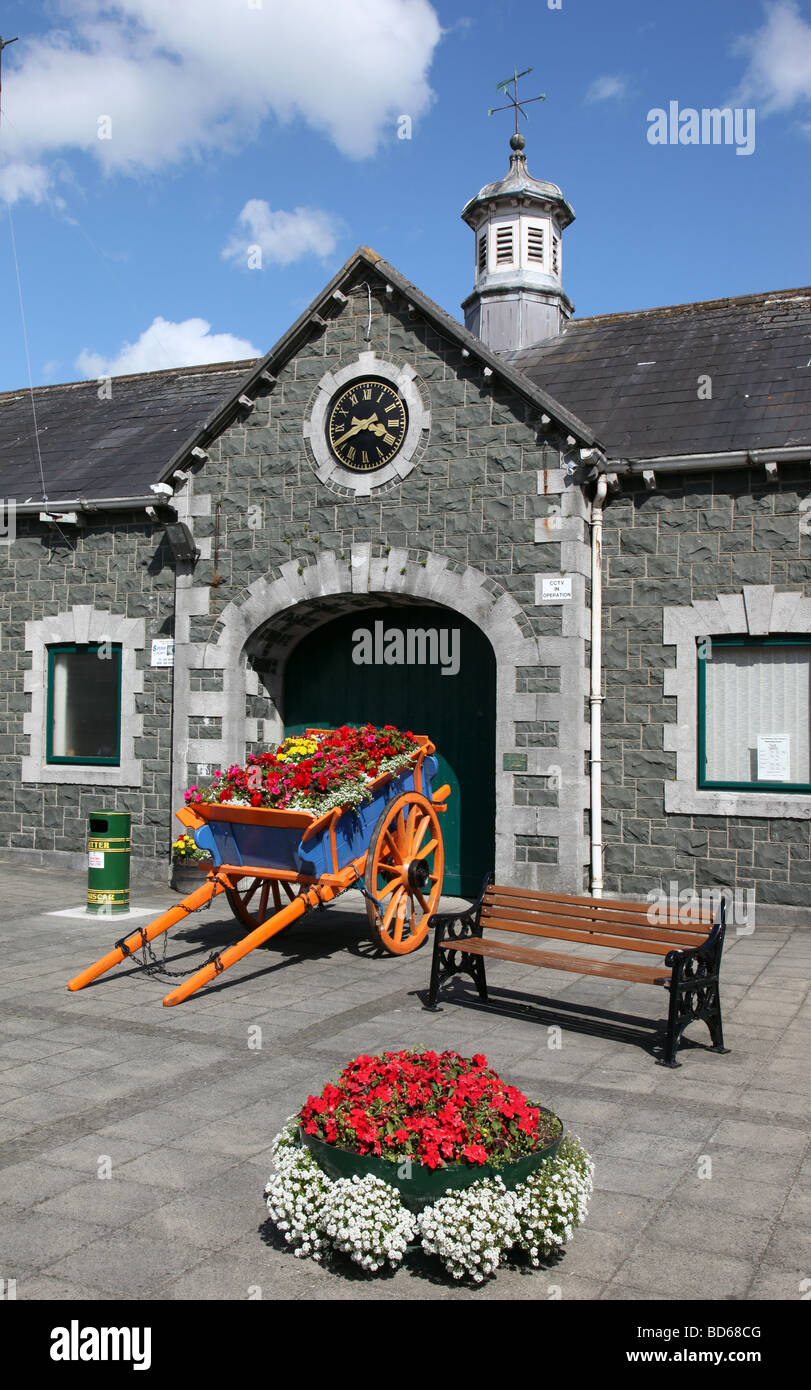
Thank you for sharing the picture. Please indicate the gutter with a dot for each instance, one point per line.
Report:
(596, 692)
(691, 463)
(89, 506)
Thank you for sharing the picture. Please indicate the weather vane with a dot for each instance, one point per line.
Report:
(4, 43)
(517, 140)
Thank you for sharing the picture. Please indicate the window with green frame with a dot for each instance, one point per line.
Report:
(754, 714)
(84, 703)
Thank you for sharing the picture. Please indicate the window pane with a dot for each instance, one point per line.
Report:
(753, 693)
(85, 693)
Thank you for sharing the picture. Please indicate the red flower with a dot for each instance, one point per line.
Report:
(437, 1108)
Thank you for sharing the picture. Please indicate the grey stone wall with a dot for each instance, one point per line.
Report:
(697, 537)
(121, 567)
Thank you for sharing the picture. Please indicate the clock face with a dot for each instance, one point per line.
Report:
(366, 424)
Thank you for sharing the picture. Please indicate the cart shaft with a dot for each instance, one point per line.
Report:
(132, 943)
(311, 897)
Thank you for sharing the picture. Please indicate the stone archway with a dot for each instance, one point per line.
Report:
(419, 666)
(303, 596)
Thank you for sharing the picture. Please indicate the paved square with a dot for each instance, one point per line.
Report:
(179, 1109)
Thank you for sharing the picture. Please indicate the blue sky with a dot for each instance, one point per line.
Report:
(238, 123)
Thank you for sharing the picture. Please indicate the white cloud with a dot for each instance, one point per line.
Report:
(606, 88)
(178, 79)
(282, 237)
(778, 76)
(21, 180)
(165, 344)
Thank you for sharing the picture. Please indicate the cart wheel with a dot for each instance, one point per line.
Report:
(404, 866)
(255, 899)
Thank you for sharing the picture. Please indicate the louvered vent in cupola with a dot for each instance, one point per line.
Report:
(504, 245)
(555, 255)
(482, 252)
(535, 244)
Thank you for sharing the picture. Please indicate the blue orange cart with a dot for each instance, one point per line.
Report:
(274, 866)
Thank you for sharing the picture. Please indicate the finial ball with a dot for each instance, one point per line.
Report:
(517, 142)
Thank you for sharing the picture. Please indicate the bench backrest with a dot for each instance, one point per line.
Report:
(626, 926)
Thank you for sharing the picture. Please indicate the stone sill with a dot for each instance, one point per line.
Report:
(689, 801)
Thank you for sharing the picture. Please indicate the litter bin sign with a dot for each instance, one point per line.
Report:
(108, 862)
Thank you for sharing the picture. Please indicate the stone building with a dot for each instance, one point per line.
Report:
(574, 551)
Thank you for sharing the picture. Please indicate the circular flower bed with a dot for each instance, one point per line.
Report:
(333, 768)
(435, 1113)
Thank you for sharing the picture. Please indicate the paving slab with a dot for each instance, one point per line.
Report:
(185, 1109)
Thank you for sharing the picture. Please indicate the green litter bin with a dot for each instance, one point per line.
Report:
(108, 862)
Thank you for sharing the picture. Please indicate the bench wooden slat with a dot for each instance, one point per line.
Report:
(574, 927)
(534, 894)
(655, 947)
(594, 909)
(556, 960)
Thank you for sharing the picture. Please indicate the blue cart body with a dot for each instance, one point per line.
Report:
(274, 847)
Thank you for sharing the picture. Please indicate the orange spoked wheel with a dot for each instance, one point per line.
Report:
(404, 867)
(254, 900)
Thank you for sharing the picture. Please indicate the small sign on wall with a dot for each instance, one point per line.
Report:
(773, 762)
(163, 651)
(555, 588)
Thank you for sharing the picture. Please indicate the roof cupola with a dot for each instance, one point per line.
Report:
(518, 223)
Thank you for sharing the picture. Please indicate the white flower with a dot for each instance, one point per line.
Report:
(469, 1231)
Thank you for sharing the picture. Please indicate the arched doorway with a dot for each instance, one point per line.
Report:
(420, 667)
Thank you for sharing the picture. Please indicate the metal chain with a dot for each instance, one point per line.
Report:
(155, 967)
(359, 884)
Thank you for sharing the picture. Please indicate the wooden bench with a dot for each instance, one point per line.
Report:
(691, 949)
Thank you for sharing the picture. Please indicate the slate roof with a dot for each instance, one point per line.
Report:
(103, 449)
(106, 448)
(634, 377)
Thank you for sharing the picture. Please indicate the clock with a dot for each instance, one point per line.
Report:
(366, 424)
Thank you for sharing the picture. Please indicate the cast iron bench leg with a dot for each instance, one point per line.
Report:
(672, 1040)
(480, 978)
(696, 997)
(433, 988)
(457, 927)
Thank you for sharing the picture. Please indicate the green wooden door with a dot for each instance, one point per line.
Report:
(385, 666)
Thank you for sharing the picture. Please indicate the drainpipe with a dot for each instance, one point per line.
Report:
(596, 693)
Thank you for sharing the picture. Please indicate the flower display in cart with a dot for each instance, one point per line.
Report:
(427, 1112)
(313, 773)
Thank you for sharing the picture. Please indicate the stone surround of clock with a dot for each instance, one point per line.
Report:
(367, 367)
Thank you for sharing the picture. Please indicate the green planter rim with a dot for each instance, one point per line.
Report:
(426, 1185)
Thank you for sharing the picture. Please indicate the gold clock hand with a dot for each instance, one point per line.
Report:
(382, 432)
(355, 427)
